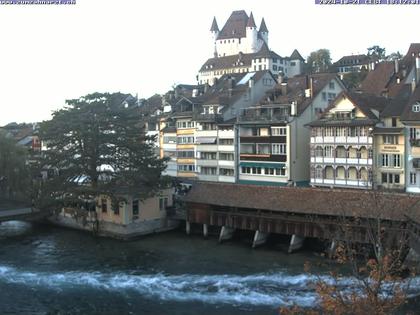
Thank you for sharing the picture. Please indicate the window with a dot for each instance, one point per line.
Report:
(384, 177)
(208, 155)
(186, 168)
(226, 156)
(135, 207)
(104, 204)
(185, 124)
(185, 140)
(278, 148)
(163, 203)
(168, 139)
(319, 172)
(225, 141)
(396, 160)
(292, 63)
(226, 172)
(332, 85)
(413, 133)
(384, 160)
(331, 96)
(274, 67)
(324, 96)
(185, 154)
(416, 108)
(394, 122)
(329, 151)
(390, 139)
(278, 131)
(413, 179)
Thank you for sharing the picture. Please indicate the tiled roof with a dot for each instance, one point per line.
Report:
(238, 61)
(342, 122)
(235, 26)
(296, 87)
(306, 200)
(408, 113)
(376, 81)
(352, 60)
(251, 22)
(296, 56)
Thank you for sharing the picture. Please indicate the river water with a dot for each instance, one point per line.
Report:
(48, 270)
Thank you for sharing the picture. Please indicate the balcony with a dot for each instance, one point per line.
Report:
(252, 116)
(342, 140)
(415, 142)
(334, 160)
(202, 117)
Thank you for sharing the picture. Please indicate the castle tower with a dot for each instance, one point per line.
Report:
(263, 31)
(215, 33)
(252, 34)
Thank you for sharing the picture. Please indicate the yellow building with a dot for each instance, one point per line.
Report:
(389, 150)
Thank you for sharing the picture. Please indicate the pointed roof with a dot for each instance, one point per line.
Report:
(296, 56)
(235, 26)
(263, 27)
(251, 22)
(214, 27)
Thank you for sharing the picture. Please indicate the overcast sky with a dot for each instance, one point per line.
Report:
(52, 53)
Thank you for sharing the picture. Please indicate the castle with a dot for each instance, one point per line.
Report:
(240, 47)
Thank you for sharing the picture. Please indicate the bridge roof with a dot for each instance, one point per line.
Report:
(316, 201)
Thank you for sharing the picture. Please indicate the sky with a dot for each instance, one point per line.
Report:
(52, 53)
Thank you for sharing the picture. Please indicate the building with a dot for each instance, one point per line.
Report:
(272, 140)
(352, 63)
(129, 218)
(342, 142)
(389, 147)
(202, 126)
(239, 47)
(411, 120)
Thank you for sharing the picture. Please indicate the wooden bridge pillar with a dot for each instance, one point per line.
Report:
(259, 239)
(226, 233)
(187, 227)
(296, 242)
(331, 249)
(205, 230)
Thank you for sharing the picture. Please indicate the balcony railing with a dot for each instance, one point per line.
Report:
(263, 117)
(207, 117)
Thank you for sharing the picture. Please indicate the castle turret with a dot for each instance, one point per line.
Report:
(263, 31)
(252, 34)
(215, 33)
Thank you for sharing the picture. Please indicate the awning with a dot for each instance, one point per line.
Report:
(205, 140)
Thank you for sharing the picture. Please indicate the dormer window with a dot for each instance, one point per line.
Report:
(416, 108)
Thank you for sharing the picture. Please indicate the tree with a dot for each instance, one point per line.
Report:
(353, 80)
(376, 53)
(14, 171)
(394, 56)
(97, 145)
(319, 61)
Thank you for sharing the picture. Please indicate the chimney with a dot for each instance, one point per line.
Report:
(194, 93)
(417, 69)
(372, 66)
(396, 66)
(293, 109)
(283, 88)
(251, 83)
(413, 85)
(311, 86)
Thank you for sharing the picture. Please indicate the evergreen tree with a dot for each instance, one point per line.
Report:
(97, 145)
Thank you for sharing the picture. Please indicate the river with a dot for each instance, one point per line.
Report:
(48, 270)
